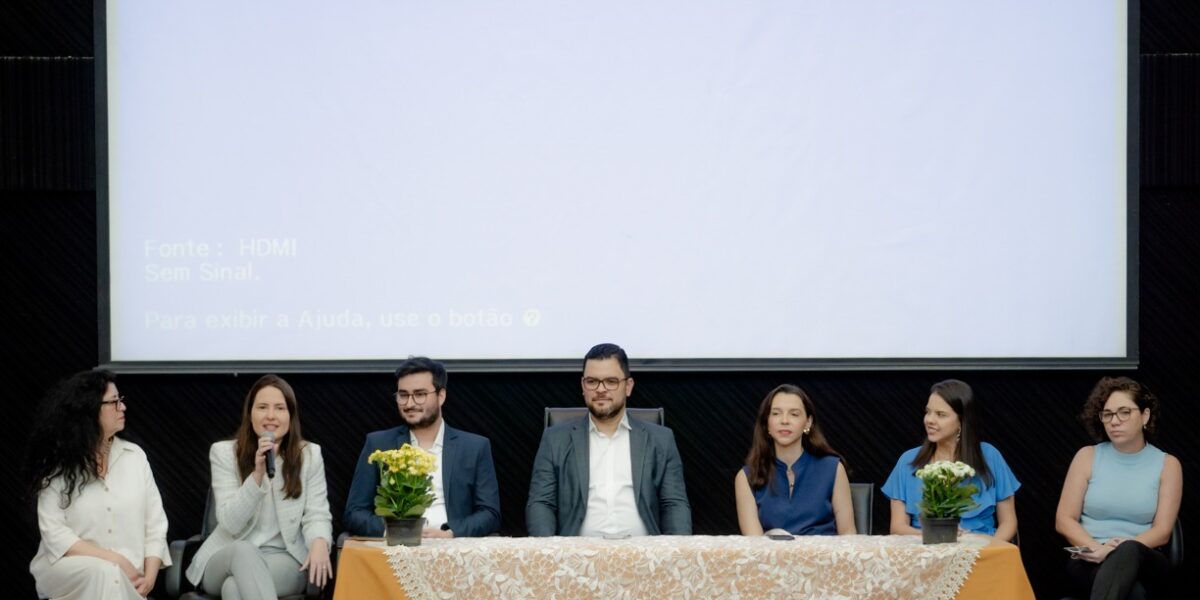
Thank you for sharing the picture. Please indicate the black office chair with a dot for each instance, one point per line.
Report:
(862, 496)
(1175, 545)
(182, 552)
(562, 414)
(1174, 551)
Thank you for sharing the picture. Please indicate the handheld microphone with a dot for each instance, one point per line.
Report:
(270, 435)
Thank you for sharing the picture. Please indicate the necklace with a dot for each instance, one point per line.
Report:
(102, 457)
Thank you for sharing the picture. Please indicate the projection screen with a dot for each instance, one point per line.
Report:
(710, 184)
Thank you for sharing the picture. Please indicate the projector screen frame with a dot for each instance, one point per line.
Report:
(1128, 361)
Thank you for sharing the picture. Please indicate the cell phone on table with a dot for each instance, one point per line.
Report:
(783, 537)
(1078, 549)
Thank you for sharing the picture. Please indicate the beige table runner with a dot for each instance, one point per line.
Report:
(685, 567)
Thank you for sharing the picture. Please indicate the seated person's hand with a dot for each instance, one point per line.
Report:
(435, 532)
(1098, 553)
(320, 570)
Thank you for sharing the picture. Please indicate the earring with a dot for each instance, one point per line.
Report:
(806, 429)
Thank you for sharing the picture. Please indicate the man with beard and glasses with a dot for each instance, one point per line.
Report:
(466, 496)
(606, 475)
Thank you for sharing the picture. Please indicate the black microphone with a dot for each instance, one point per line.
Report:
(270, 435)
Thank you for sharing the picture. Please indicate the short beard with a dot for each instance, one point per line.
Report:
(613, 409)
(428, 419)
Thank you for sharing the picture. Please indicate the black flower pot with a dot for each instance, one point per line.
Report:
(405, 532)
(939, 531)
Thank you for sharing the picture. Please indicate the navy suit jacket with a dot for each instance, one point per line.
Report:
(558, 487)
(468, 482)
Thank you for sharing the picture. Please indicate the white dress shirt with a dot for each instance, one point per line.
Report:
(611, 504)
(435, 515)
(122, 512)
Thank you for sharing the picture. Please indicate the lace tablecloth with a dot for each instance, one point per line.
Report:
(685, 567)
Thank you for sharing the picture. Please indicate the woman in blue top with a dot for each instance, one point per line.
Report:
(952, 434)
(792, 480)
(1121, 496)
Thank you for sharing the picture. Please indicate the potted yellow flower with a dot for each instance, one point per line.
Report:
(944, 498)
(405, 491)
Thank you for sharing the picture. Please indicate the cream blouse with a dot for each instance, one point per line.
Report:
(122, 512)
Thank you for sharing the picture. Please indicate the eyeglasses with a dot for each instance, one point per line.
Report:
(418, 397)
(610, 383)
(118, 400)
(1121, 414)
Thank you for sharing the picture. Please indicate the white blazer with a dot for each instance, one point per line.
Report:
(301, 520)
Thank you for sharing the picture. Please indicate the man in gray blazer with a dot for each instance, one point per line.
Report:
(606, 474)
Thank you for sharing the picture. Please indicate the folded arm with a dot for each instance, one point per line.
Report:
(316, 522)
(901, 523)
(485, 505)
(675, 510)
(747, 507)
(359, 517)
(1170, 494)
(843, 505)
(1070, 502)
(541, 511)
(237, 500)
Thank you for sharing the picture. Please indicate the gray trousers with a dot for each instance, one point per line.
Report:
(243, 571)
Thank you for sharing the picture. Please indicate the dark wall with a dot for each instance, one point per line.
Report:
(48, 307)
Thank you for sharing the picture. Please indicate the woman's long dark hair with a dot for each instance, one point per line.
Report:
(245, 441)
(761, 458)
(66, 435)
(960, 398)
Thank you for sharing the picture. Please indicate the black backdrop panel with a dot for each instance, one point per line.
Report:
(48, 324)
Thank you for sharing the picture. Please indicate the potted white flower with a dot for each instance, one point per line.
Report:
(945, 497)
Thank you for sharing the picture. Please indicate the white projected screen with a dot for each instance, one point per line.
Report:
(361, 180)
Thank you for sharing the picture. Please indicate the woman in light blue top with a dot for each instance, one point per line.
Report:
(1121, 496)
(952, 434)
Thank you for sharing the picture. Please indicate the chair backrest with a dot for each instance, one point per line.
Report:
(1175, 545)
(862, 496)
(562, 414)
(177, 585)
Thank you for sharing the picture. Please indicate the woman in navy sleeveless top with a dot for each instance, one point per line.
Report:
(1121, 497)
(793, 480)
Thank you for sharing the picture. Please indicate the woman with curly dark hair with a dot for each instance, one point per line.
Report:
(793, 480)
(1121, 496)
(104, 532)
